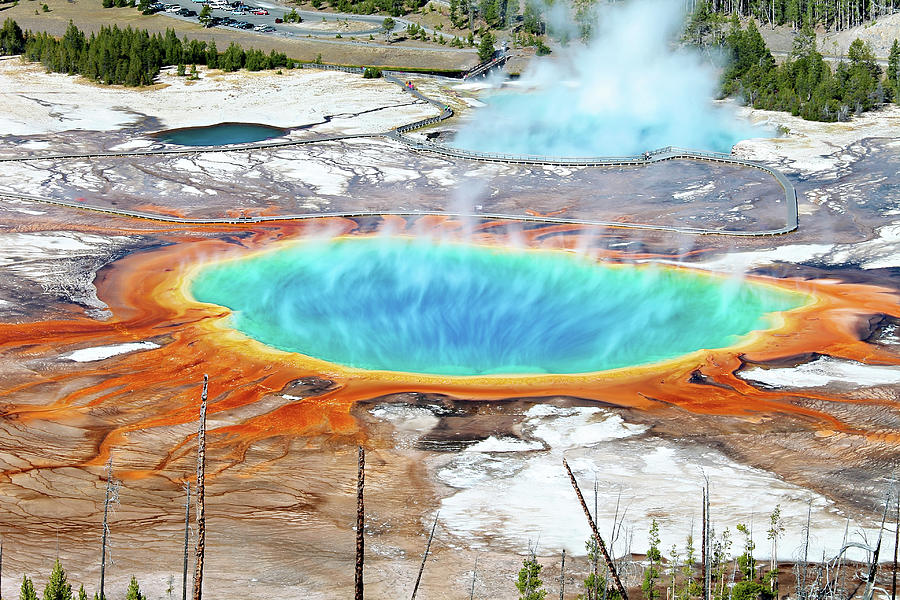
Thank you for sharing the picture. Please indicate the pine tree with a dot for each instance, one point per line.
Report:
(82, 595)
(776, 529)
(58, 588)
(134, 592)
(486, 47)
(651, 574)
(529, 583)
(691, 587)
(212, 55)
(12, 40)
(894, 70)
(26, 592)
(745, 561)
(205, 15)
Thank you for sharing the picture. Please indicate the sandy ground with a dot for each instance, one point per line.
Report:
(281, 516)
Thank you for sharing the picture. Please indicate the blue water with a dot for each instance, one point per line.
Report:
(400, 305)
(221, 134)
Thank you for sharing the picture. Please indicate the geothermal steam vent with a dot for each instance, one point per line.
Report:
(395, 304)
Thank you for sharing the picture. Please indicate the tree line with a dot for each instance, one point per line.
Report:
(725, 568)
(59, 588)
(805, 84)
(832, 14)
(128, 56)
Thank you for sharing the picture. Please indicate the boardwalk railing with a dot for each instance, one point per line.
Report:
(324, 67)
(486, 66)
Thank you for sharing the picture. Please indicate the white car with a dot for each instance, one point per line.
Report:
(173, 8)
(238, 11)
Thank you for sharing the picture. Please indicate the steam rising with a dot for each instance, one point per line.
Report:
(628, 91)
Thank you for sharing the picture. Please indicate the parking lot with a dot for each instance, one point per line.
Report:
(266, 18)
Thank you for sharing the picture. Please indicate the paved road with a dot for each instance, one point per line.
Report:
(831, 58)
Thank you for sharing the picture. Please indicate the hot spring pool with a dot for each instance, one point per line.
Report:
(396, 304)
(221, 134)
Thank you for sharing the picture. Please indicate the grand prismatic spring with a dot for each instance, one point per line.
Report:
(469, 322)
(452, 309)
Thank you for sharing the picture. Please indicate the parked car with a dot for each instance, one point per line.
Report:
(238, 11)
(267, 29)
(247, 26)
(260, 11)
(186, 12)
(279, 20)
(173, 8)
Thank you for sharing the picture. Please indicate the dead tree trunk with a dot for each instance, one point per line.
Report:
(562, 576)
(873, 567)
(708, 580)
(703, 543)
(105, 528)
(801, 579)
(893, 565)
(594, 592)
(424, 557)
(609, 563)
(187, 536)
(474, 570)
(360, 522)
(201, 492)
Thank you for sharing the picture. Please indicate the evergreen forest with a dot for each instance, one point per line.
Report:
(806, 84)
(128, 56)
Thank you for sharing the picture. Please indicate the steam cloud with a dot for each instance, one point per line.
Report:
(625, 92)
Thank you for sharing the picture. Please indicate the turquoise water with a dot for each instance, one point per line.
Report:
(221, 134)
(406, 305)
